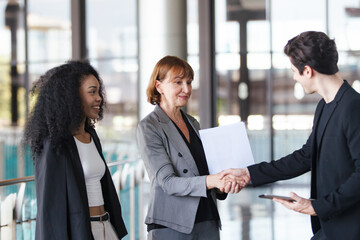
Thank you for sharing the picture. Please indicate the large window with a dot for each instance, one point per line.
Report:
(255, 85)
(112, 48)
(254, 78)
(28, 47)
(31, 46)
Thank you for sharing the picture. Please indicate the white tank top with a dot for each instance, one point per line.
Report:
(94, 169)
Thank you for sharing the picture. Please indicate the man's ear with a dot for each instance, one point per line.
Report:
(308, 71)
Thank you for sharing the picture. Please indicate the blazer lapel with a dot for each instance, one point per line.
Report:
(337, 98)
(331, 110)
(192, 123)
(314, 149)
(177, 141)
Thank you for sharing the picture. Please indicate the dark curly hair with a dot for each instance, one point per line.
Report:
(58, 110)
(314, 49)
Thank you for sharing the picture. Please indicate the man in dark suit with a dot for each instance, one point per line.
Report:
(331, 153)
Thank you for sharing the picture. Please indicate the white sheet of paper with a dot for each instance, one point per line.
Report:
(226, 147)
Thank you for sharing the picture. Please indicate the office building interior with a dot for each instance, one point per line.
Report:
(241, 74)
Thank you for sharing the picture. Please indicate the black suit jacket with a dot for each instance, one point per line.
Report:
(62, 203)
(335, 168)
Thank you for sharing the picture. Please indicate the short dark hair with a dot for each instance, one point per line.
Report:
(58, 109)
(313, 49)
(162, 67)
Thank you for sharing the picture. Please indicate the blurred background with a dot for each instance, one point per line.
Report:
(241, 74)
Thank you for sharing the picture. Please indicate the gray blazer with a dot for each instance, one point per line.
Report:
(176, 186)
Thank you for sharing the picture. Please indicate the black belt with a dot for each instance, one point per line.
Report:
(104, 217)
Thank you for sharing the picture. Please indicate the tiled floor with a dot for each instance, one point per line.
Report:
(246, 217)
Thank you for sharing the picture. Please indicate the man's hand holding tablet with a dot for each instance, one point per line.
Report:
(270, 196)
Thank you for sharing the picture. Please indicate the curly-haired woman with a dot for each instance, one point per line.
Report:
(76, 198)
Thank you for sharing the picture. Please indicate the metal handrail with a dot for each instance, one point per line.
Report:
(20, 221)
(13, 181)
(110, 164)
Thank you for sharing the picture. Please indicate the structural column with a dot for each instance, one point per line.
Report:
(78, 29)
(162, 31)
(207, 70)
(12, 11)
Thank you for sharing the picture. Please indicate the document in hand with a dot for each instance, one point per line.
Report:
(226, 147)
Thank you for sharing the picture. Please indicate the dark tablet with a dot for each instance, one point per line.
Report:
(270, 196)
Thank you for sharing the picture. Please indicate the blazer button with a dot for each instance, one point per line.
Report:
(180, 155)
(185, 171)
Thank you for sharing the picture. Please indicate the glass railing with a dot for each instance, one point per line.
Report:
(18, 207)
(18, 196)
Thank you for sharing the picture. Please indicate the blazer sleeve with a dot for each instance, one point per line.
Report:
(160, 166)
(290, 166)
(50, 177)
(348, 193)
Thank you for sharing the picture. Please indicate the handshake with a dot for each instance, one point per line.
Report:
(231, 180)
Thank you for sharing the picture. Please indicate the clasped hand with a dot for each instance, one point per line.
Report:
(229, 181)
